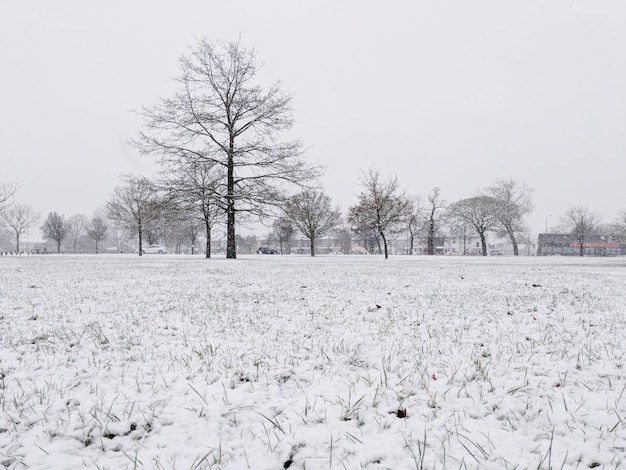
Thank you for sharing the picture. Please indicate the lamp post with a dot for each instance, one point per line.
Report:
(545, 243)
(549, 215)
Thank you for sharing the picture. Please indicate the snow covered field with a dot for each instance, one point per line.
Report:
(271, 362)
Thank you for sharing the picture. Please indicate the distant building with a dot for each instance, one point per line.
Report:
(565, 244)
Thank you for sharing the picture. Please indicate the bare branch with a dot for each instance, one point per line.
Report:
(7, 190)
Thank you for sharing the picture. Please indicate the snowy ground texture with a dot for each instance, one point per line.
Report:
(270, 362)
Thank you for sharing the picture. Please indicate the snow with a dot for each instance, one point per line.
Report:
(269, 362)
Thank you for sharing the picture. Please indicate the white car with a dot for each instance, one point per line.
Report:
(154, 249)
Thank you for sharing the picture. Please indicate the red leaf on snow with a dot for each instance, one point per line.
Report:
(401, 413)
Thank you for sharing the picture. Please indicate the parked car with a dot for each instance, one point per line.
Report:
(154, 249)
(265, 250)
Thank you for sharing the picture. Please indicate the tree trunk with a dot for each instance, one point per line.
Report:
(411, 242)
(59, 247)
(17, 242)
(483, 243)
(582, 247)
(513, 241)
(431, 238)
(312, 244)
(139, 233)
(382, 235)
(207, 251)
(96, 246)
(231, 243)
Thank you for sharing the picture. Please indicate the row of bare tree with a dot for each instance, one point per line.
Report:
(20, 217)
(219, 142)
(165, 209)
(384, 210)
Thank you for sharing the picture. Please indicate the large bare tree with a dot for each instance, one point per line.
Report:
(581, 222)
(479, 212)
(19, 217)
(220, 114)
(514, 204)
(382, 207)
(312, 213)
(135, 206)
(54, 229)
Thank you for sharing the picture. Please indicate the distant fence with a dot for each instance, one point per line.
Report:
(23, 252)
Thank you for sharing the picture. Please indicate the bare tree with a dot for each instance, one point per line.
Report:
(382, 207)
(435, 204)
(76, 228)
(344, 236)
(192, 230)
(7, 190)
(478, 212)
(194, 186)
(97, 229)
(135, 205)
(312, 213)
(581, 222)
(282, 229)
(20, 217)
(219, 115)
(360, 225)
(54, 229)
(415, 221)
(514, 204)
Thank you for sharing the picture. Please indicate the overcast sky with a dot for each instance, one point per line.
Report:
(451, 94)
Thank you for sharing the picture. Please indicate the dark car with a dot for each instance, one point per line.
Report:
(266, 250)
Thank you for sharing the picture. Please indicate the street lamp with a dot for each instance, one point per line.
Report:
(545, 237)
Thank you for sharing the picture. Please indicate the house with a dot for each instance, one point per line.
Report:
(566, 244)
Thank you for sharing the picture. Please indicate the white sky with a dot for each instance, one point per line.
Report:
(452, 94)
